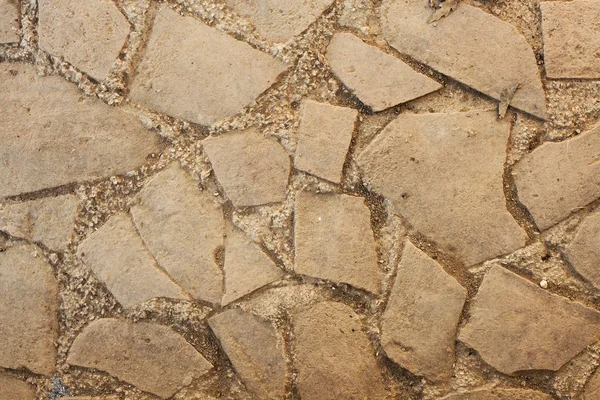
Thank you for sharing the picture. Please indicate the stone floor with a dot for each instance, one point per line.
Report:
(299, 199)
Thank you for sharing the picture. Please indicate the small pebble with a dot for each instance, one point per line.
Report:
(544, 283)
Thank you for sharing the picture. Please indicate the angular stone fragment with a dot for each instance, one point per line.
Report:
(334, 240)
(499, 394)
(378, 79)
(584, 251)
(252, 168)
(15, 389)
(255, 349)
(516, 326)
(195, 72)
(420, 320)
(444, 174)
(182, 228)
(28, 310)
(333, 355)
(119, 259)
(9, 21)
(49, 220)
(557, 178)
(87, 33)
(468, 45)
(152, 357)
(592, 387)
(52, 134)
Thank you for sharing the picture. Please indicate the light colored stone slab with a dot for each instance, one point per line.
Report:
(255, 349)
(15, 389)
(378, 79)
(119, 259)
(9, 21)
(584, 250)
(499, 394)
(517, 326)
(52, 134)
(420, 320)
(444, 174)
(183, 229)
(28, 310)
(469, 45)
(194, 72)
(592, 387)
(252, 169)
(334, 240)
(558, 178)
(152, 357)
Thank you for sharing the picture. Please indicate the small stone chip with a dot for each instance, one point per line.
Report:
(584, 251)
(9, 21)
(15, 389)
(499, 394)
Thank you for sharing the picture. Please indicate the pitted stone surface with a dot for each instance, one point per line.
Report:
(15, 389)
(9, 21)
(583, 252)
(499, 394)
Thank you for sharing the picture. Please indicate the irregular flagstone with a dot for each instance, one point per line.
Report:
(444, 174)
(516, 326)
(9, 21)
(334, 240)
(420, 320)
(195, 72)
(15, 389)
(592, 387)
(323, 139)
(87, 33)
(182, 228)
(499, 394)
(50, 220)
(378, 79)
(255, 349)
(152, 357)
(557, 178)
(584, 250)
(251, 168)
(28, 310)
(119, 259)
(52, 134)
(333, 355)
(468, 45)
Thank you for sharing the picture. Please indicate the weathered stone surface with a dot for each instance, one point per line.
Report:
(182, 228)
(515, 325)
(28, 310)
(255, 349)
(195, 72)
(252, 168)
(152, 357)
(558, 178)
(571, 40)
(52, 134)
(592, 387)
(499, 394)
(323, 139)
(334, 240)
(378, 79)
(9, 21)
(584, 251)
(333, 355)
(444, 174)
(49, 220)
(420, 320)
(87, 33)
(469, 45)
(119, 259)
(15, 389)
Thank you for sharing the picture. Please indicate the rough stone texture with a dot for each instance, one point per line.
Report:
(469, 45)
(420, 320)
(516, 326)
(53, 135)
(323, 139)
(49, 221)
(152, 357)
(592, 387)
(583, 252)
(87, 33)
(252, 169)
(378, 79)
(443, 173)
(333, 355)
(334, 240)
(499, 394)
(15, 389)
(255, 349)
(558, 178)
(195, 72)
(182, 228)
(571, 40)
(9, 21)
(28, 310)
(119, 259)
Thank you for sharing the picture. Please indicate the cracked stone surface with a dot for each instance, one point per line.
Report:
(584, 251)
(9, 21)
(13, 389)
(499, 394)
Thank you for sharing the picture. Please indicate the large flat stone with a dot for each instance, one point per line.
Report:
(583, 252)
(15, 389)
(499, 394)
(9, 21)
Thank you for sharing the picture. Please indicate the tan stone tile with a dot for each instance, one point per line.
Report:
(592, 387)
(15, 389)
(584, 251)
(9, 21)
(499, 394)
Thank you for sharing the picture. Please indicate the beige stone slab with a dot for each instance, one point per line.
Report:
(499, 394)
(517, 326)
(591, 390)
(15, 389)
(444, 174)
(28, 310)
(197, 73)
(152, 357)
(378, 79)
(9, 21)
(469, 45)
(583, 252)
